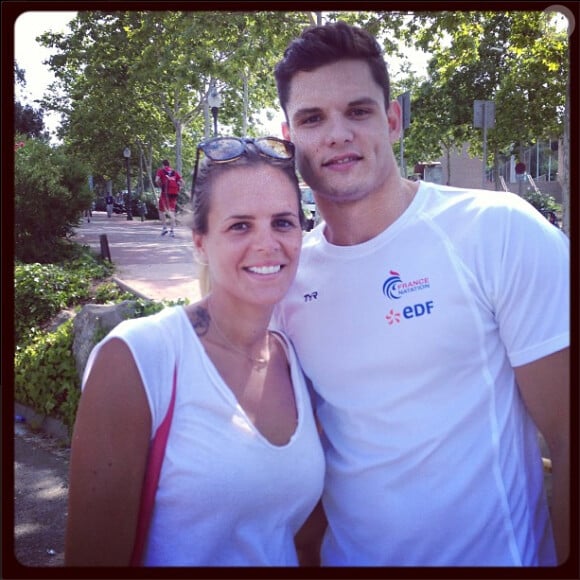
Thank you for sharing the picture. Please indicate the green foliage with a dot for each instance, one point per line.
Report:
(50, 194)
(144, 82)
(29, 121)
(543, 202)
(517, 59)
(42, 290)
(46, 377)
(110, 292)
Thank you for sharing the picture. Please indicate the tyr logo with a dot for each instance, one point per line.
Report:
(309, 297)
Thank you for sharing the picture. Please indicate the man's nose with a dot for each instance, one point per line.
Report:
(339, 130)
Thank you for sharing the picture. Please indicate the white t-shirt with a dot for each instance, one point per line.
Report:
(410, 339)
(226, 496)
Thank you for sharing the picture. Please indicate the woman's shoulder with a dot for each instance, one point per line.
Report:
(167, 324)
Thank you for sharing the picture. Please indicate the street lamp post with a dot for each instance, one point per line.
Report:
(214, 101)
(127, 156)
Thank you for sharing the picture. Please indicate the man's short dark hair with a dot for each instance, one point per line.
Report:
(166, 163)
(322, 45)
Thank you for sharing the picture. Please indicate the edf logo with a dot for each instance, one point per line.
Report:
(418, 309)
(408, 312)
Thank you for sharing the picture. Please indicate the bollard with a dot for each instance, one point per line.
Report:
(105, 252)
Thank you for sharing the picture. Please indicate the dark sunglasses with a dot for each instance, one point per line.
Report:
(228, 149)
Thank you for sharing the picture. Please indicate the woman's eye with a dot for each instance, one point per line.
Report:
(283, 224)
(239, 227)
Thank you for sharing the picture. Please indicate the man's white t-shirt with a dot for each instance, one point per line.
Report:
(409, 340)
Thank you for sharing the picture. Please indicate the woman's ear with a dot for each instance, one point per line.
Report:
(199, 249)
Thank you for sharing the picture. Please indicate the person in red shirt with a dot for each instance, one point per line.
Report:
(170, 182)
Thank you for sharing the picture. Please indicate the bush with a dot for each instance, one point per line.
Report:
(543, 202)
(50, 194)
(41, 291)
(45, 375)
(110, 292)
(45, 371)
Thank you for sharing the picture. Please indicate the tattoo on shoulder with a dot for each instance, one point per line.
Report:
(200, 321)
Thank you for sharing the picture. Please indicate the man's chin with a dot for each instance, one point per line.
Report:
(339, 195)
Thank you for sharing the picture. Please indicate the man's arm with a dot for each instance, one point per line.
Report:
(308, 540)
(545, 388)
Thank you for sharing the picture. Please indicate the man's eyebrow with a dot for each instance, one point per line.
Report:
(363, 101)
(307, 111)
(356, 103)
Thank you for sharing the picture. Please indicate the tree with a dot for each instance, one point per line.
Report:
(141, 78)
(27, 120)
(50, 193)
(517, 59)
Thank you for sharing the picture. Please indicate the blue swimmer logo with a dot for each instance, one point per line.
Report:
(394, 287)
(390, 285)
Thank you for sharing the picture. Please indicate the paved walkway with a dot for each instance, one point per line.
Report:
(154, 266)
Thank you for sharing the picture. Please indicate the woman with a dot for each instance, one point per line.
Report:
(243, 467)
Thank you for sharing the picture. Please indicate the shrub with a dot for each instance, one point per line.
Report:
(42, 290)
(44, 365)
(110, 292)
(50, 193)
(45, 375)
(543, 202)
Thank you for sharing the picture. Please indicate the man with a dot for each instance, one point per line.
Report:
(170, 183)
(433, 323)
(109, 201)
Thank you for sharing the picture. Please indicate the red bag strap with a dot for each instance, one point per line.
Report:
(151, 480)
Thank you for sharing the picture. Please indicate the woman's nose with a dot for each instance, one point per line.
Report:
(266, 239)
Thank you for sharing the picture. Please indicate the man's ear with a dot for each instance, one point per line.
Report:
(285, 130)
(395, 121)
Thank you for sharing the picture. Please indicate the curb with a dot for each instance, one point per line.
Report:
(48, 425)
(124, 286)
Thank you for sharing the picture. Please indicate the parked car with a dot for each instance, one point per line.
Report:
(144, 207)
(309, 207)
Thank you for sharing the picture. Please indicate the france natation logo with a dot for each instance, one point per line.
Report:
(394, 287)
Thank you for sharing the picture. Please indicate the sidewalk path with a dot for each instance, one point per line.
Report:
(155, 266)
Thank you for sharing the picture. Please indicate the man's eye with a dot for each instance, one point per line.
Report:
(360, 112)
(310, 120)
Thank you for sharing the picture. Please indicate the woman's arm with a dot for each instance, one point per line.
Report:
(108, 459)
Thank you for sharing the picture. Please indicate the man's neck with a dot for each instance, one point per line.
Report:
(349, 224)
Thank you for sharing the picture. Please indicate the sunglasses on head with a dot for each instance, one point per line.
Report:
(228, 149)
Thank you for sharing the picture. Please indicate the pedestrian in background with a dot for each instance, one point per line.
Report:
(109, 201)
(434, 324)
(244, 466)
(170, 182)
